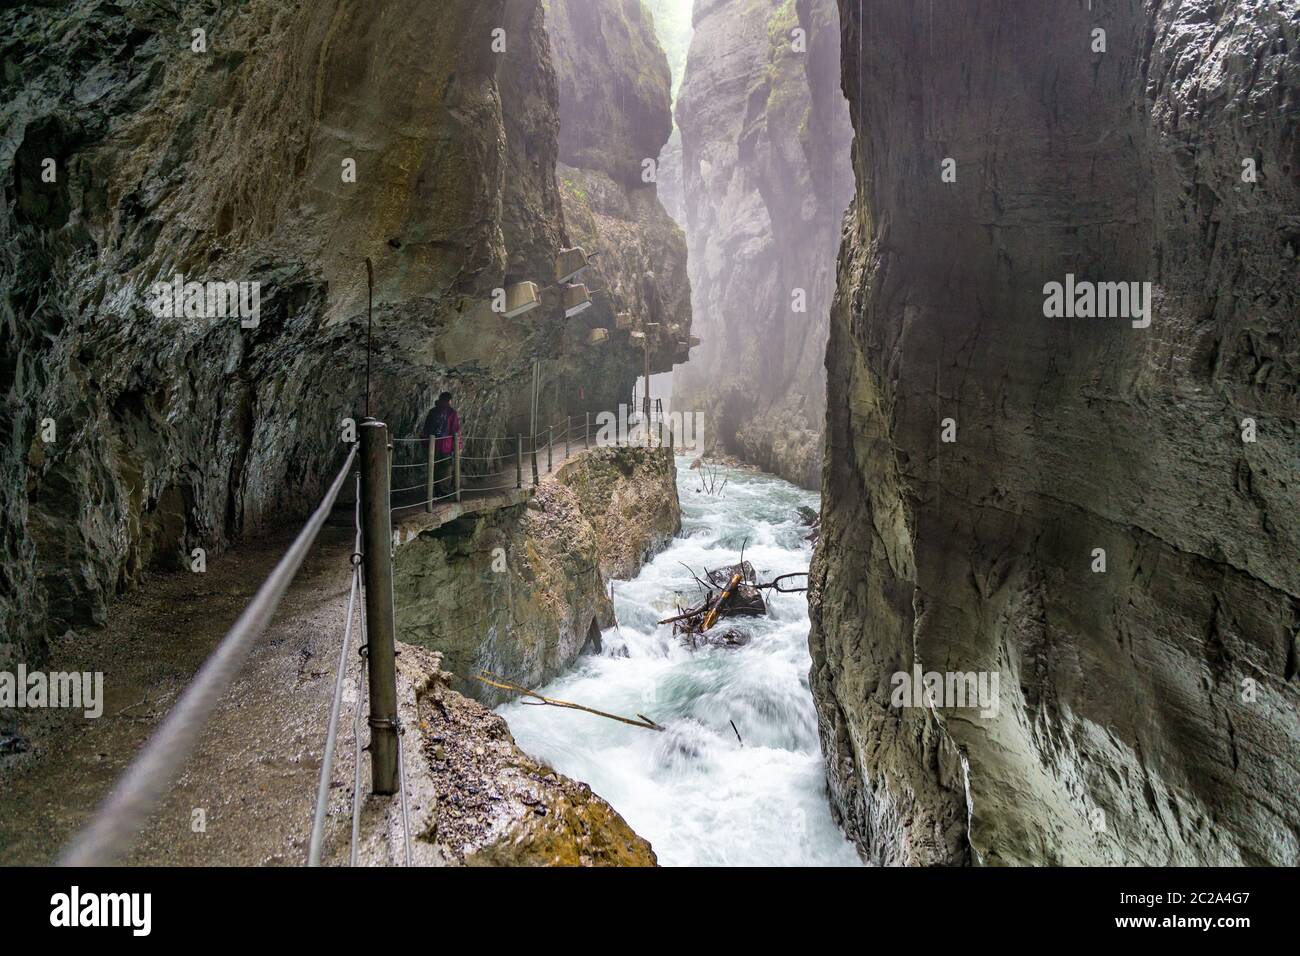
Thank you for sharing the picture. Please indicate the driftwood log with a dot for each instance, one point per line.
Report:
(728, 592)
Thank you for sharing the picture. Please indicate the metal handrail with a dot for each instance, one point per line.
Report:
(137, 792)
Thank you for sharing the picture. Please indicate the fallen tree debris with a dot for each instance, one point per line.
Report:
(709, 475)
(492, 680)
(725, 594)
(730, 591)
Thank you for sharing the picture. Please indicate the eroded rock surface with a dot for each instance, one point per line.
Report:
(629, 495)
(1148, 713)
(765, 159)
(614, 100)
(497, 806)
(232, 164)
(521, 592)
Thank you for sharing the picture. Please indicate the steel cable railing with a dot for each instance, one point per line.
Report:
(138, 791)
(331, 734)
(530, 453)
(140, 788)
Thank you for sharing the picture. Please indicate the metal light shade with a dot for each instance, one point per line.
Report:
(520, 298)
(570, 263)
(576, 299)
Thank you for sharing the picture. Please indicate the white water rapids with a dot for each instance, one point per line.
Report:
(697, 794)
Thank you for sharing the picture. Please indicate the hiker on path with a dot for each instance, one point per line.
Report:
(443, 424)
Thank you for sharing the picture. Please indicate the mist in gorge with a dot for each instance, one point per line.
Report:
(811, 434)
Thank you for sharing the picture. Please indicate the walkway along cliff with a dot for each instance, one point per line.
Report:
(284, 146)
(281, 149)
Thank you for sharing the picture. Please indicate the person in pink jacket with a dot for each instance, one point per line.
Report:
(442, 424)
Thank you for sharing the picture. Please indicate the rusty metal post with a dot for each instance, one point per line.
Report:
(377, 559)
(550, 443)
(519, 461)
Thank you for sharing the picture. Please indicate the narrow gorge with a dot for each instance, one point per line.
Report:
(765, 179)
(1101, 510)
(747, 433)
(296, 148)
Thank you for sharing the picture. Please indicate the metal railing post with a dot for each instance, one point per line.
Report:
(377, 562)
(519, 461)
(550, 443)
(429, 473)
(586, 432)
(455, 461)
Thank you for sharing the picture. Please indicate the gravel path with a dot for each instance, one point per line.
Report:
(252, 778)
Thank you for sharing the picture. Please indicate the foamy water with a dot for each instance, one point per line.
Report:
(697, 794)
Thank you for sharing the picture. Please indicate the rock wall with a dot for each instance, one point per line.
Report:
(128, 439)
(1147, 712)
(614, 99)
(521, 592)
(629, 496)
(487, 803)
(672, 22)
(765, 157)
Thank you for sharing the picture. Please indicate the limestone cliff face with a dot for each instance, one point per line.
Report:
(766, 175)
(128, 439)
(521, 592)
(516, 592)
(672, 23)
(614, 96)
(1148, 711)
(629, 496)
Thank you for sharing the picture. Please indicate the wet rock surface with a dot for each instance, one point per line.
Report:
(521, 592)
(499, 807)
(766, 178)
(1148, 712)
(517, 592)
(614, 96)
(630, 497)
(229, 165)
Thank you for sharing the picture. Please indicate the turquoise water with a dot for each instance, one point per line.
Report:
(697, 794)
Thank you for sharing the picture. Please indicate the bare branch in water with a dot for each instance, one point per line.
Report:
(500, 682)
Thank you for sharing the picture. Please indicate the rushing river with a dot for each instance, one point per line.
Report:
(695, 792)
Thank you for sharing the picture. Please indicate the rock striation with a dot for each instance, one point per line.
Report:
(629, 496)
(1101, 512)
(766, 178)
